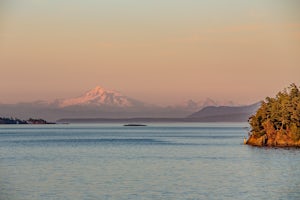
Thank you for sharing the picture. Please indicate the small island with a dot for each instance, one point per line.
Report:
(5, 120)
(134, 125)
(277, 121)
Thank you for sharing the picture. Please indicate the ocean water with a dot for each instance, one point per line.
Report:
(159, 161)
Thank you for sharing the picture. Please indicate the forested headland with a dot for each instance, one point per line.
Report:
(277, 121)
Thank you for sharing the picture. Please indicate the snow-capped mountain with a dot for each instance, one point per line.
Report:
(100, 97)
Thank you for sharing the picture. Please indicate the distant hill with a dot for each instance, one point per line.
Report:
(225, 113)
(193, 106)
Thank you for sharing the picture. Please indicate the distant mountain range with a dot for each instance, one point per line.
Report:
(102, 103)
(101, 97)
(192, 105)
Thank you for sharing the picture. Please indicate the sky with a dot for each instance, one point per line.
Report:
(161, 52)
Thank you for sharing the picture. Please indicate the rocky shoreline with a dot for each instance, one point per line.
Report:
(275, 139)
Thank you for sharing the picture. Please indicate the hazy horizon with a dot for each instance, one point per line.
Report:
(162, 103)
(179, 103)
(157, 52)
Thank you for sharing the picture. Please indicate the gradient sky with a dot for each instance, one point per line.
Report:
(155, 51)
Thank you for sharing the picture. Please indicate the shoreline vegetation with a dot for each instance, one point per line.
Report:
(277, 121)
(5, 120)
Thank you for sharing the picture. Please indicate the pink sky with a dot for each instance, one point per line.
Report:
(158, 52)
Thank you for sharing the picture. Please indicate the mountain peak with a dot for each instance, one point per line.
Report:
(99, 96)
(98, 90)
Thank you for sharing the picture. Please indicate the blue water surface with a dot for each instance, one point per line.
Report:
(158, 161)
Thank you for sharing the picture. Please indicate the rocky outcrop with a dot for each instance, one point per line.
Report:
(274, 138)
(277, 120)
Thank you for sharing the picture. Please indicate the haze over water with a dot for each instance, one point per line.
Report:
(160, 161)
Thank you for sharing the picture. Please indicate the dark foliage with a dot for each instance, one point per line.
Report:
(4, 120)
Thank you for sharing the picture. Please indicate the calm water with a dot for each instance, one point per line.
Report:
(160, 161)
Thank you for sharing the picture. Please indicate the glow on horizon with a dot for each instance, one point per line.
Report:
(158, 52)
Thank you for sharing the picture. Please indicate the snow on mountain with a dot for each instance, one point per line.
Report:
(100, 97)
